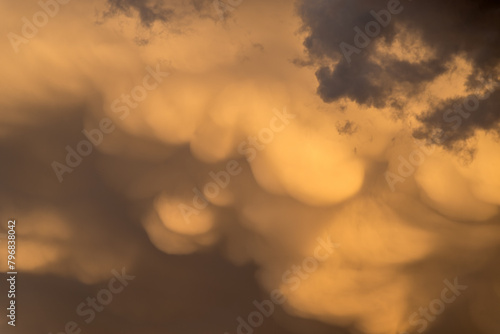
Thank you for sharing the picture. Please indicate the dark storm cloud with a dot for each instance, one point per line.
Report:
(457, 119)
(149, 10)
(468, 27)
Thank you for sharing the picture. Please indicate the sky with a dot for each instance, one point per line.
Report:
(250, 166)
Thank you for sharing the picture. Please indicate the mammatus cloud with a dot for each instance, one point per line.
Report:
(323, 174)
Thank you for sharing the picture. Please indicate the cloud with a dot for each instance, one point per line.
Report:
(447, 28)
(149, 11)
(323, 174)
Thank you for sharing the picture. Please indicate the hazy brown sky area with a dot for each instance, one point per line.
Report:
(251, 166)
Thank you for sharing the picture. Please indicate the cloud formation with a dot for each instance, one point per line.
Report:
(324, 174)
(353, 63)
